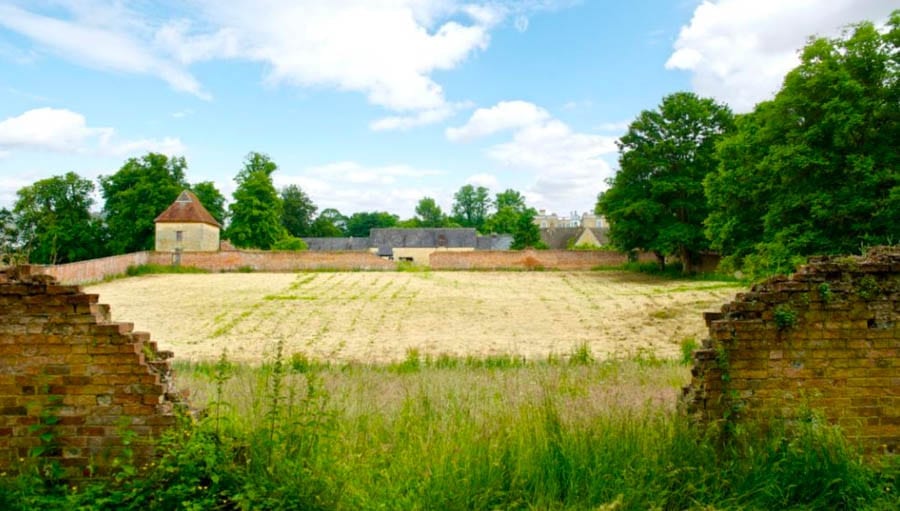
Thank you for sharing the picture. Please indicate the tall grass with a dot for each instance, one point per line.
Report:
(584, 434)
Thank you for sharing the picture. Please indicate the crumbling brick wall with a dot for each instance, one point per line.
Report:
(72, 383)
(826, 340)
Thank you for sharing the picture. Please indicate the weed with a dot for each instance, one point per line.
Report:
(582, 355)
(825, 292)
(785, 317)
(688, 346)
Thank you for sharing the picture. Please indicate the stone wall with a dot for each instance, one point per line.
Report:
(826, 340)
(530, 259)
(71, 381)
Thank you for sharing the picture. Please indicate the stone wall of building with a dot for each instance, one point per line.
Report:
(72, 383)
(825, 340)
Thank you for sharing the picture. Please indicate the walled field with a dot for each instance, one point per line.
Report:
(380, 316)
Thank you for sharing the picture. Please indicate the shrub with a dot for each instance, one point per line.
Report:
(290, 244)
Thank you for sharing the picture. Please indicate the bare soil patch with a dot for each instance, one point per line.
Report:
(378, 316)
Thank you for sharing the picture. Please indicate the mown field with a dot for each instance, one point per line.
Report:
(375, 317)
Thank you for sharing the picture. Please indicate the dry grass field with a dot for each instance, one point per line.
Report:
(379, 316)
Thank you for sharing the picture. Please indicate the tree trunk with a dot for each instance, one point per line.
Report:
(661, 259)
(687, 260)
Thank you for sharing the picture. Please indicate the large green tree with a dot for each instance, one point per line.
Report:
(329, 224)
(256, 211)
(527, 234)
(429, 214)
(815, 170)
(471, 206)
(359, 224)
(509, 205)
(655, 202)
(135, 195)
(299, 211)
(212, 199)
(54, 220)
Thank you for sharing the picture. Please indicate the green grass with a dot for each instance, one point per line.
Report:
(456, 434)
(152, 269)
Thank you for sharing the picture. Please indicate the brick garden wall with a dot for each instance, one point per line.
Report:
(530, 259)
(94, 270)
(71, 381)
(261, 260)
(826, 339)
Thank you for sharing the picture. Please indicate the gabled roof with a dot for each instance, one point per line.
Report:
(187, 209)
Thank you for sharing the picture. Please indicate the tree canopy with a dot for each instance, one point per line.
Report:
(359, 224)
(429, 214)
(54, 220)
(655, 201)
(815, 170)
(212, 199)
(329, 224)
(256, 212)
(299, 211)
(135, 195)
(471, 206)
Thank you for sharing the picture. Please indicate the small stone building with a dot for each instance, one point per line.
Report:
(186, 226)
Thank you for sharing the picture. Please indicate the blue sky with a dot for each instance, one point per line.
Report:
(374, 104)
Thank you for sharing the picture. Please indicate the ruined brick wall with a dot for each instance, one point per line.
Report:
(71, 381)
(827, 339)
(529, 259)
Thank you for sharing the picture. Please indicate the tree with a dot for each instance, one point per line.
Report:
(54, 220)
(470, 206)
(9, 237)
(212, 199)
(256, 211)
(510, 198)
(429, 214)
(135, 195)
(359, 224)
(329, 224)
(510, 205)
(655, 201)
(815, 170)
(527, 234)
(299, 211)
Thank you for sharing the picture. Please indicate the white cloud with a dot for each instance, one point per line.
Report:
(99, 42)
(505, 115)
(567, 168)
(423, 118)
(350, 186)
(740, 50)
(486, 180)
(65, 131)
(521, 23)
(385, 49)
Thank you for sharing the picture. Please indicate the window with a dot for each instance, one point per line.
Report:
(179, 235)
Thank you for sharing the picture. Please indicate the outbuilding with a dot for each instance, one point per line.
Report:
(186, 226)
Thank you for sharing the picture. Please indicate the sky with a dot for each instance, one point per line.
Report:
(374, 104)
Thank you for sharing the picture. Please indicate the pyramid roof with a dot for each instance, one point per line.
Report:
(186, 209)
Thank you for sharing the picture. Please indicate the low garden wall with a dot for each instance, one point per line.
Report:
(826, 340)
(530, 259)
(74, 385)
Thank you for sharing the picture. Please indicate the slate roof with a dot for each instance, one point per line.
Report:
(337, 244)
(422, 238)
(187, 209)
(494, 242)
